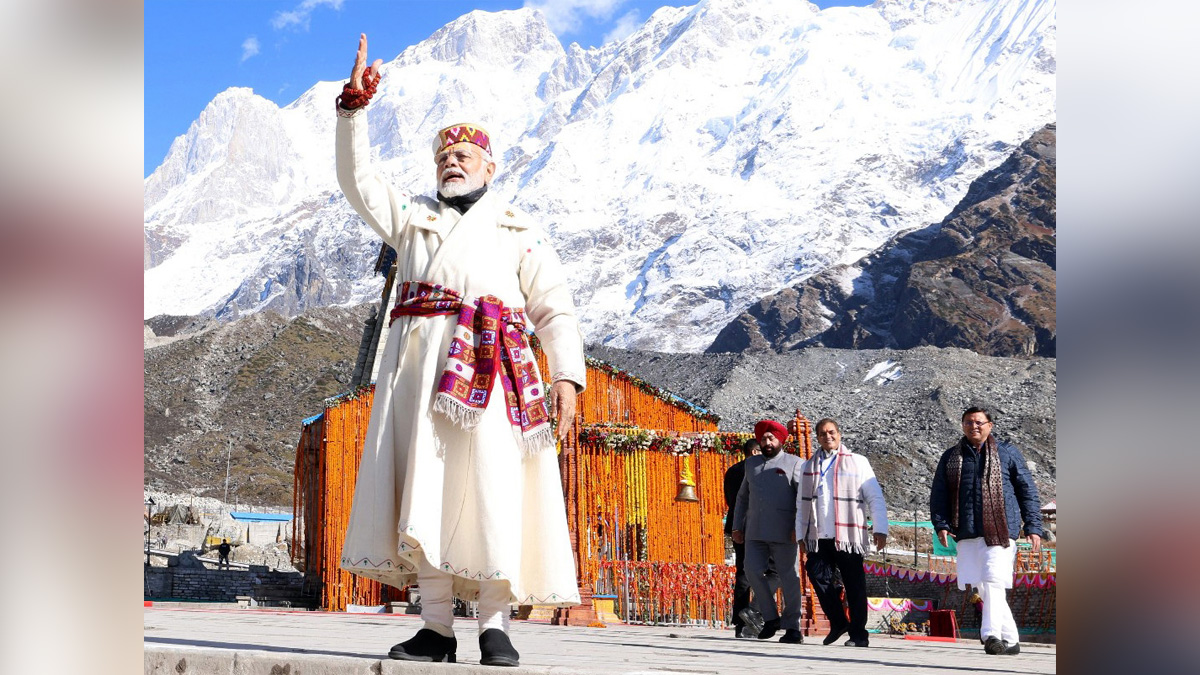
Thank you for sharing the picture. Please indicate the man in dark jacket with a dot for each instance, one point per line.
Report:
(765, 521)
(741, 587)
(223, 552)
(982, 493)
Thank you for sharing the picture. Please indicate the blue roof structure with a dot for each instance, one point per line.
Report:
(249, 517)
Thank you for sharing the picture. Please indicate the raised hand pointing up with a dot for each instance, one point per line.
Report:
(360, 66)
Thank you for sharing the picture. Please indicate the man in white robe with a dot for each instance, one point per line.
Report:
(459, 488)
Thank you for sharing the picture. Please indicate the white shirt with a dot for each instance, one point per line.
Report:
(824, 494)
(870, 491)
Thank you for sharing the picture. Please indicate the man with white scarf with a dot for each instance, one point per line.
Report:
(838, 491)
(982, 491)
(458, 488)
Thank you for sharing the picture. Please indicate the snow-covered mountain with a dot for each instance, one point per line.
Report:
(720, 153)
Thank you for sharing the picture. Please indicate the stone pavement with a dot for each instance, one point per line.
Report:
(190, 641)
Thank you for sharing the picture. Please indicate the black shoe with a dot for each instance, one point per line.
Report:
(1012, 649)
(753, 622)
(993, 645)
(495, 649)
(792, 637)
(769, 629)
(857, 643)
(426, 645)
(834, 635)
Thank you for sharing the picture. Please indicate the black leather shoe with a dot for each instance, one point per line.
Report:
(857, 643)
(792, 637)
(752, 622)
(426, 645)
(1012, 649)
(495, 649)
(769, 629)
(834, 635)
(993, 645)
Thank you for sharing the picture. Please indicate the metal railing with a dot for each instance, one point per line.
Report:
(668, 594)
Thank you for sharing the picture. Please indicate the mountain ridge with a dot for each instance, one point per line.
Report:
(984, 278)
(719, 154)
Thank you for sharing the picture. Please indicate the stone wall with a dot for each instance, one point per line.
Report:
(266, 587)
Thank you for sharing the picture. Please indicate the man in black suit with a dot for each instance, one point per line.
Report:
(734, 476)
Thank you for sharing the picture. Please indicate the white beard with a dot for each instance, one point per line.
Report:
(469, 184)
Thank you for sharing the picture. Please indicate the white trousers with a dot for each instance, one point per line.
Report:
(437, 601)
(990, 569)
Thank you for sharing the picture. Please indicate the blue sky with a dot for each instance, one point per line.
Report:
(195, 49)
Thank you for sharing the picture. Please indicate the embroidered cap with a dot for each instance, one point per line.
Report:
(462, 133)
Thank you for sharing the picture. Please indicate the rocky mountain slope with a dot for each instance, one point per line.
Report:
(251, 383)
(719, 154)
(982, 279)
(253, 380)
(899, 408)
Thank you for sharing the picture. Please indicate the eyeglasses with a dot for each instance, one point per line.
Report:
(973, 423)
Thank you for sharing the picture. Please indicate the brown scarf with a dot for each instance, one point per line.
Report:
(995, 523)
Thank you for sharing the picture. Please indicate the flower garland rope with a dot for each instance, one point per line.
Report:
(908, 574)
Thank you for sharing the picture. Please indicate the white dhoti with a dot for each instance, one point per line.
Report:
(990, 570)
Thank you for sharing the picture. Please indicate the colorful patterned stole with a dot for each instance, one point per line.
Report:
(995, 521)
(489, 341)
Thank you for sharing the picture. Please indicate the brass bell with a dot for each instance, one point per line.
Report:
(687, 493)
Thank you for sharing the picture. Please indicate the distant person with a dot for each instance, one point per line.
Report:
(764, 520)
(982, 492)
(734, 476)
(223, 552)
(838, 491)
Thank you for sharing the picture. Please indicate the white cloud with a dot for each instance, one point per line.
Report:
(249, 48)
(624, 27)
(566, 16)
(299, 17)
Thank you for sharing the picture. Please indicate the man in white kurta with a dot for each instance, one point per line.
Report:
(464, 501)
(838, 493)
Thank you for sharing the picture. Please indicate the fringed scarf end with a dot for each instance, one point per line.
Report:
(459, 413)
(851, 547)
(536, 442)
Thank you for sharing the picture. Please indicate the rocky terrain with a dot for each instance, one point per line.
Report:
(901, 408)
(248, 383)
(212, 523)
(983, 279)
(255, 379)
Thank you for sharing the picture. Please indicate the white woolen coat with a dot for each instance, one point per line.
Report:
(468, 501)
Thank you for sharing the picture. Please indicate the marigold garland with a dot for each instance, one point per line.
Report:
(327, 459)
(626, 438)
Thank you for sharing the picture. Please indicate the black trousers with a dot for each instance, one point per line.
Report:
(741, 586)
(823, 567)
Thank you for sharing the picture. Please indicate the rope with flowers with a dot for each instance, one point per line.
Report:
(628, 438)
(363, 391)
